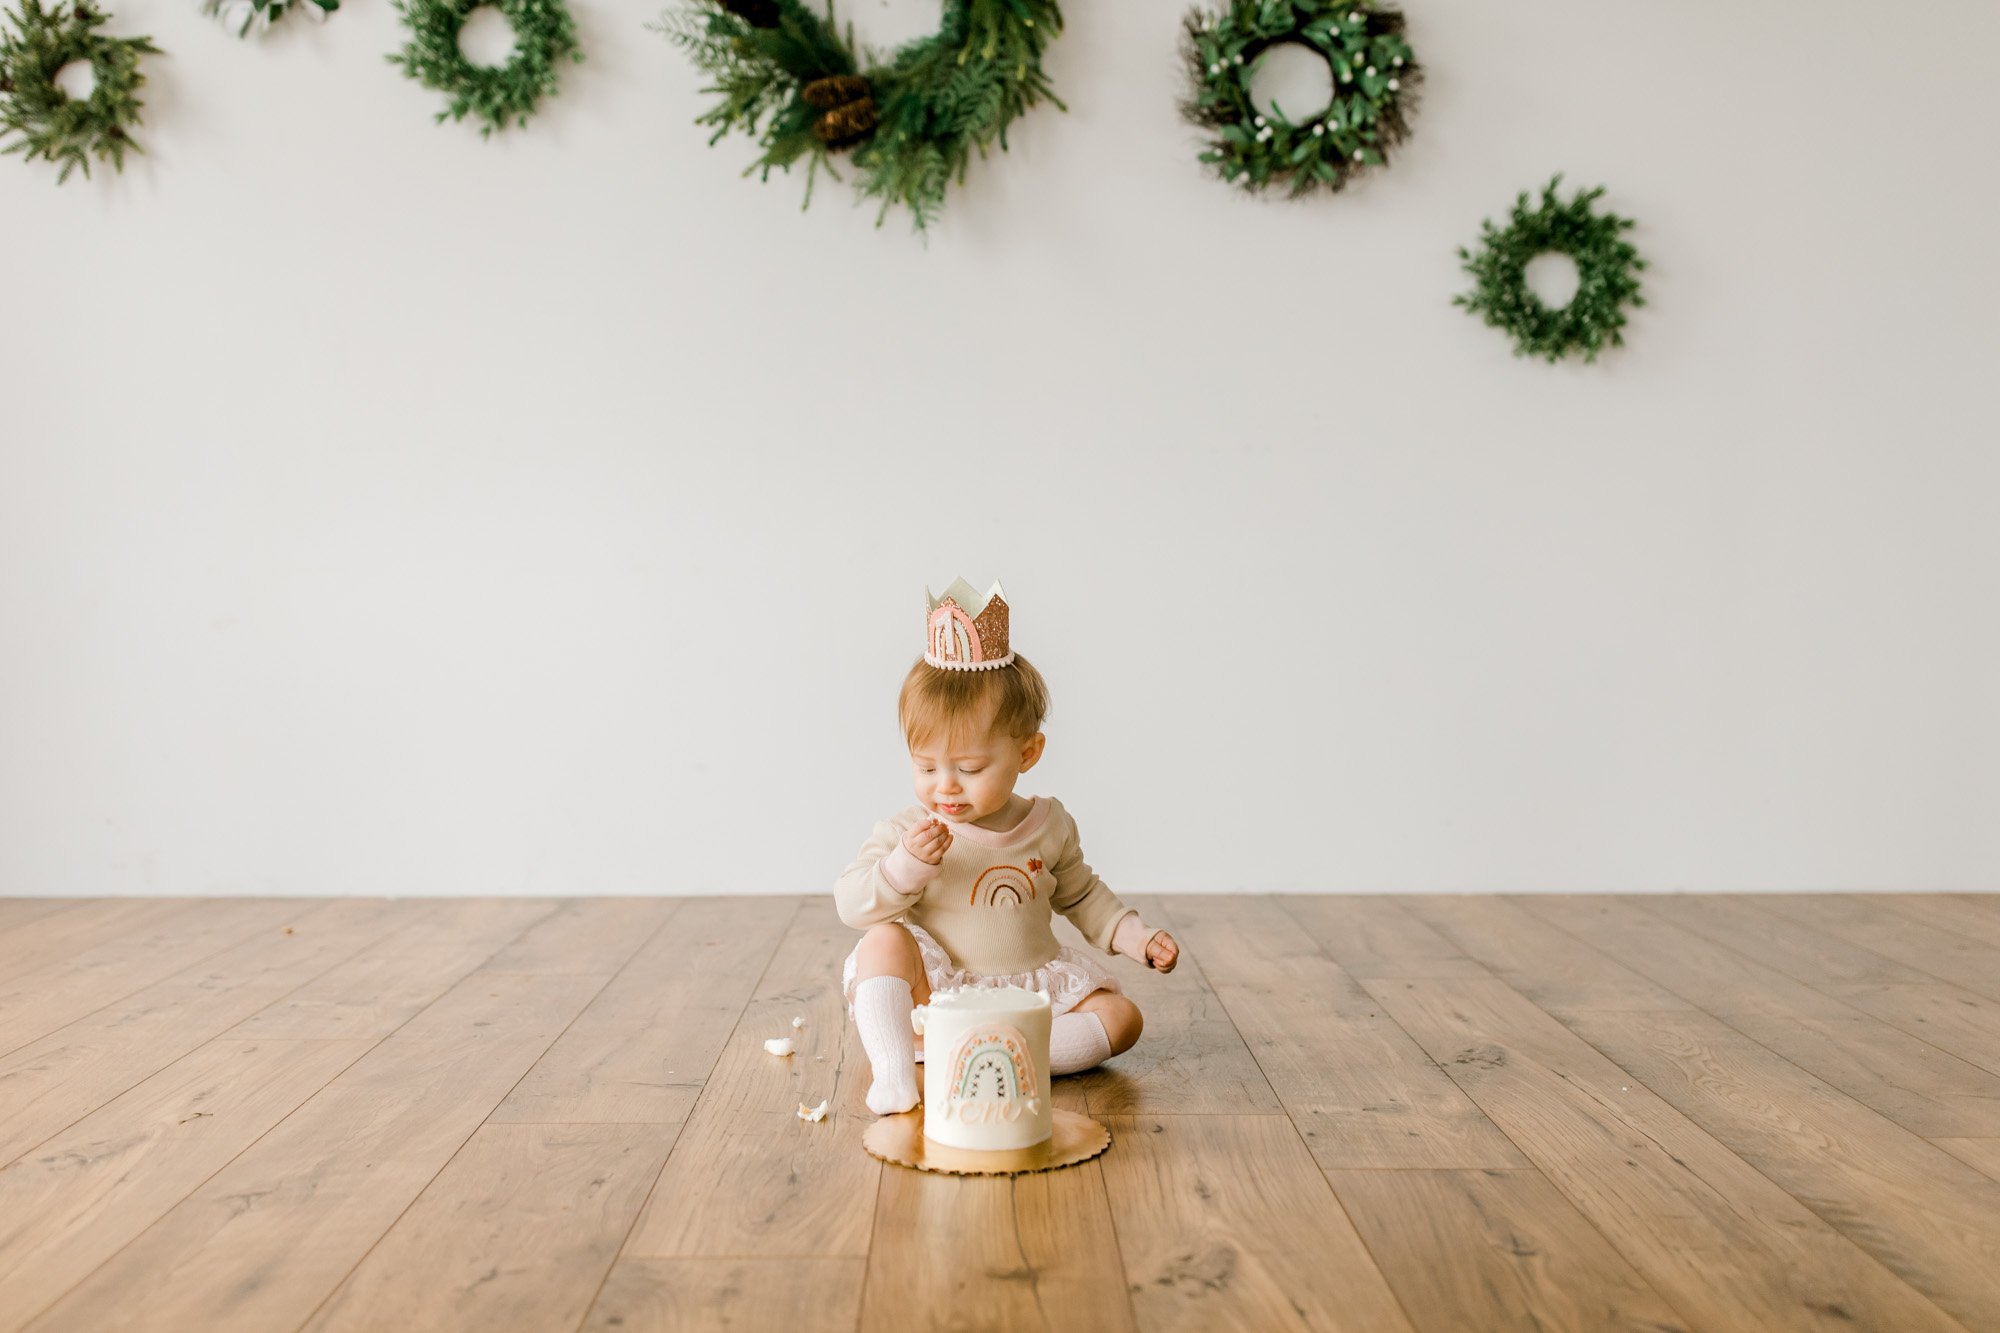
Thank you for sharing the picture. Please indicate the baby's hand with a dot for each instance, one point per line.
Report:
(928, 841)
(1161, 952)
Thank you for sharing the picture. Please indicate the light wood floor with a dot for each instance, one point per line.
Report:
(1437, 1113)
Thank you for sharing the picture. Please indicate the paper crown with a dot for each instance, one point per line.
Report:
(966, 632)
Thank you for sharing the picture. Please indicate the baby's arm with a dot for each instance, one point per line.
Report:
(885, 879)
(1085, 899)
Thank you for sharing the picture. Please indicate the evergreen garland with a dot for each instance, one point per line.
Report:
(794, 82)
(544, 37)
(1374, 70)
(1607, 269)
(51, 124)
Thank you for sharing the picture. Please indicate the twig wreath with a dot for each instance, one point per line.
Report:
(51, 124)
(544, 37)
(795, 83)
(1374, 75)
(1607, 270)
(244, 16)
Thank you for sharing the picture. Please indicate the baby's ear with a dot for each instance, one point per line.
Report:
(1031, 750)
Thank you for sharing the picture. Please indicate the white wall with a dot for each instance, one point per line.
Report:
(382, 510)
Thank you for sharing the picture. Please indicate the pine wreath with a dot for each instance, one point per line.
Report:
(51, 124)
(795, 83)
(1375, 74)
(544, 37)
(1607, 269)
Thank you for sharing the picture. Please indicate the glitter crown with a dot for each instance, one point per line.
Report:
(964, 631)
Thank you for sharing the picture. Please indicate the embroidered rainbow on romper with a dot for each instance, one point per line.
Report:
(991, 1076)
(1003, 878)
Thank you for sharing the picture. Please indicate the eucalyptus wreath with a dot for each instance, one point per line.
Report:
(544, 37)
(1374, 76)
(1607, 269)
(799, 86)
(52, 125)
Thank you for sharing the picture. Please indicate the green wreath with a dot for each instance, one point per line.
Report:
(51, 124)
(544, 37)
(1607, 270)
(244, 17)
(1374, 70)
(795, 83)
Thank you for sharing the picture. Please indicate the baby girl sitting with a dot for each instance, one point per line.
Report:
(957, 890)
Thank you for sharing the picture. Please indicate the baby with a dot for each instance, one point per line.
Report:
(957, 890)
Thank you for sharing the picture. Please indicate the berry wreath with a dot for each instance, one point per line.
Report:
(51, 124)
(1607, 271)
(1375, 74)
(544, 38)
(912, 122)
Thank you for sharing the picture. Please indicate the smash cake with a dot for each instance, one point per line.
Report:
(986, 1068)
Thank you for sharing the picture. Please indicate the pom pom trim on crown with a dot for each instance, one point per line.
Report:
(966, 632)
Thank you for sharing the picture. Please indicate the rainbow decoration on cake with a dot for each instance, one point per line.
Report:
(986, 1080)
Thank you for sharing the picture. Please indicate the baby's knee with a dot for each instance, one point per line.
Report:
(888, 950)
(1122, 1021)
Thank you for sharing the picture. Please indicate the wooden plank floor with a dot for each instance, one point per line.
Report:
(1369, 1113)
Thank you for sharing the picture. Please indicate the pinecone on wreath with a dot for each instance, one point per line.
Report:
(849, 104)
(756, 13)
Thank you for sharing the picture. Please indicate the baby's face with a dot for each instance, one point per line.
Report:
(966, 778)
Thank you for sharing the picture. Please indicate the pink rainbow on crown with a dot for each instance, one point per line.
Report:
(964, 631)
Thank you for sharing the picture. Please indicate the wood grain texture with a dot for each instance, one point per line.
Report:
(1225, 1223)
(16, 912)
(1027, 1252)
(518, 1232)
(1947, 955)
(1189, 1059)
(1942, 1015)
(32, 939)
(1359, 1089)
(1920, 1087)
(1661, 1113)
(1535, 958)
(750, 1295)
(1929, 1218)
(1376, 936)
(747, 1176)
(36, 1003)
(1961, 914)
(1982, 1154)
(645, 1046)
(1718, 1240)
(268, 1237)
(1495, 1251)
(378, 990)
(79, 1197)
(56, 1080)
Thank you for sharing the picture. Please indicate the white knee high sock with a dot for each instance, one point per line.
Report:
(882, 1012)
(1077, 1041)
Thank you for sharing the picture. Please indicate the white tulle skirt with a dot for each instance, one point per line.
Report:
(1067, 977)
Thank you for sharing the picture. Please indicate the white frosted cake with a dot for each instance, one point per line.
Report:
(986, 1068)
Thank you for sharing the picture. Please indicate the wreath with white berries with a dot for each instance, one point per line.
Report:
(51, 124)
(544, 39)
(1607, 270)
(243, 17)
(911, 122)
(1375, 74)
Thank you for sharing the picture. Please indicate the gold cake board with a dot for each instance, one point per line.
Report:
(900, 1139)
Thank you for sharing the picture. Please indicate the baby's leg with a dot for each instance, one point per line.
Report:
(1102, 1025)
(889, 981)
